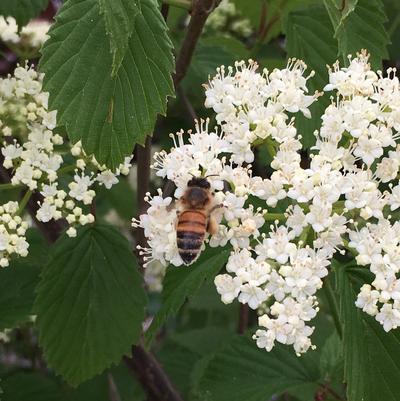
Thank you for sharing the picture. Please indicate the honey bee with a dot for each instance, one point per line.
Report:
(195, 219)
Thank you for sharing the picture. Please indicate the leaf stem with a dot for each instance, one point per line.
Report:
(112, 389)
(185, 4)
(24, 201)
(66, 169)
(333, 306)
(274, 216)
(9, 185)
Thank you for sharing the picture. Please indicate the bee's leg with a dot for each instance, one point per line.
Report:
(216, 207)
(172, 205)
(212, 225)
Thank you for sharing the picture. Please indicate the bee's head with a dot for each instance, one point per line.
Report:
(197, 195)
(200, 182)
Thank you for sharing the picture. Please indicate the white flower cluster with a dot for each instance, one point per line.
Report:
(32, 153)
(69, 203)
(250, 106)
(24, 114)
(344, 199)
(12, 233)
(28, 40)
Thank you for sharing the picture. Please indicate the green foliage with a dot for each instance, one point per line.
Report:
(18, 282)
(22, 10)
(30, 387)
(309, 36)
(392, 8)
(17, 286)
(193, 340)
(360, 26)
(109, 114)
(252, 374)
(109, 66)
(181, 283)
(178, 362)
(90, 303)
(372, 366)
(118, 17)
(120, 197)
(339, 10)
(99, 388)
(34, 386)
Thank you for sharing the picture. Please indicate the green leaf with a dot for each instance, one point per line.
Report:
(109, 114)
(95, 389)
(250, 10)
(118, 16)
(178, 362)
(128, 387)
(18, 282)
(181, 283)
(392, 10)
(241, 371)
(309, 36)
(98, 388)
(206, 59)
(90, 303)
(275, 12)
(17, 287)
(339, 10)
(30, 387)
(362, 28)
(372, 357)
(120, 197)
(193, 340)
(22, 10)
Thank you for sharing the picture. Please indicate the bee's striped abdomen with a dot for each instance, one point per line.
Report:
(190, 234)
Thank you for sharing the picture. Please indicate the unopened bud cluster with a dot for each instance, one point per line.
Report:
(12, 233)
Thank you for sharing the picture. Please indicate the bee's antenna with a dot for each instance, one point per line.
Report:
(211, 175)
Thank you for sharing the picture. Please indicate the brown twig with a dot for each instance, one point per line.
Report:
(334, 393)
(165, 11)
(243, 318)
(324, 390)
(265, 29)
(151, 375)
(200, 11)
(188, 106)
(93, 208)
(263, 19)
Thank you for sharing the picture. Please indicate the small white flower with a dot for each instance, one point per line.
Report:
(107, 178)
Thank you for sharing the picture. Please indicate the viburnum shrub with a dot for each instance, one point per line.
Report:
(346, 199)
(199, 200)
